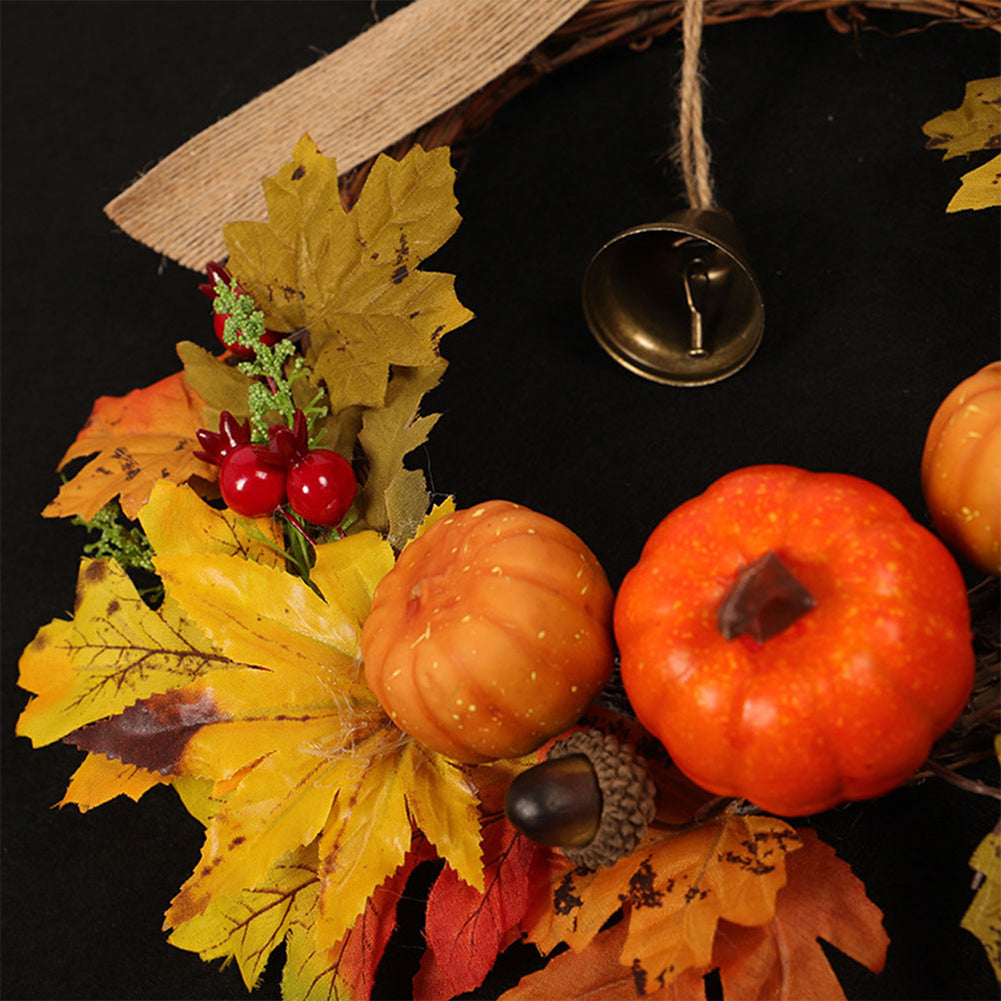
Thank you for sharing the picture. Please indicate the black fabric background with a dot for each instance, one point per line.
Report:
(877, 301)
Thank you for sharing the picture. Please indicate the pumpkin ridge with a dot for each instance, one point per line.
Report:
(534, 575)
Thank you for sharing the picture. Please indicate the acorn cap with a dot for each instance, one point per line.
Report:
(628, 796)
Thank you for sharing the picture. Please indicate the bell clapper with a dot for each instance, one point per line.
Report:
(696, 281)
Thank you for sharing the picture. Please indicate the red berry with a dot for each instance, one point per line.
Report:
(216, 273)
(217, 445)
(252, 481)
(321, 487)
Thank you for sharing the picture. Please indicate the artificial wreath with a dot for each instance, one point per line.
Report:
(342, 680)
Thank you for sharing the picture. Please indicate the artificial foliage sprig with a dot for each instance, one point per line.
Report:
(274, 367)
(127, 545)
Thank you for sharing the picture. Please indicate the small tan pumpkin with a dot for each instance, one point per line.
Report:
(491, 634)
(961, 468)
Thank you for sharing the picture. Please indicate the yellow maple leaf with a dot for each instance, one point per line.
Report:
(113, 652)
(177, 521)
(314, 753)
(980, 188)
(283, 747)
(975, 125)
(249, 925)
(972, 127)
(354, 278)
(983, 916)
(677, 888)
(99, 779)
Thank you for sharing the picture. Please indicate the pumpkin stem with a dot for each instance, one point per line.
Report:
(765, 599)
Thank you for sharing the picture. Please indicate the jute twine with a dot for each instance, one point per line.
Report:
(693, 150)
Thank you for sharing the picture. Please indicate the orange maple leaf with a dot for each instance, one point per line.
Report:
(140, 438)
(777, 958)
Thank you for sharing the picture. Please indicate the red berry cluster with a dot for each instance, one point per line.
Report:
(255, 480)
(217, 273)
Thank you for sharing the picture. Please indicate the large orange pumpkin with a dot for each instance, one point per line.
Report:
(491, 634)
(795, 638)
(961, 468)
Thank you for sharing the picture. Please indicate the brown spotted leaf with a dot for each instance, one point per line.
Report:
(141, 438)
(150, 734)
(596, 974)
(975, 125)
(980, 188)
(354, 278)
(782, 958)
(115, 651)
(677, 888)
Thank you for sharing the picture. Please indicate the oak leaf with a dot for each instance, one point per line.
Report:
(782, 958)
(141, 438)
(972, 127)
(676, 887)
(394, 499)
(597, 973)
(983, 917)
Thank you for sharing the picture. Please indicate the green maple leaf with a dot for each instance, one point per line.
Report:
(353, 279)
(394, 498)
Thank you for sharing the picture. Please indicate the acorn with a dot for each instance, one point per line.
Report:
(592, 798)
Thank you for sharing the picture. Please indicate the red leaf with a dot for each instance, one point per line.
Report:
(348, 968)
(466, 929)
(366, 942)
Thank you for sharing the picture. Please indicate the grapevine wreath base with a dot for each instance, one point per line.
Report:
(247, 514)
(257, 536)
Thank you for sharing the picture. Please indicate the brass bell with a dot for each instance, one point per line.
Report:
(675, 301)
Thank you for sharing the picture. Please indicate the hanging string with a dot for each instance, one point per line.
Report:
(693, 150)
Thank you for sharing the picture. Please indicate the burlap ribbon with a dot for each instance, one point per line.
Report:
(357, 101)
